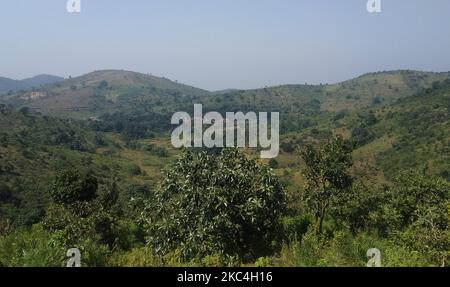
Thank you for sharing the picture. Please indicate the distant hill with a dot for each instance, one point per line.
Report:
(41, 80)
(411, 133)
(7, 85)
(414, 133)
(396, 121)
(303, 106)
(106, 91)
(132, 97)
(361, 92)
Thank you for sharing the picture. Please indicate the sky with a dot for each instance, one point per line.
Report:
(221, 44)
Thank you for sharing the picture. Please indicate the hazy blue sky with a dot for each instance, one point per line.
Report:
(218, 44)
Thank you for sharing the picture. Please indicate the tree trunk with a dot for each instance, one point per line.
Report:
(323, 209)
(321, 224)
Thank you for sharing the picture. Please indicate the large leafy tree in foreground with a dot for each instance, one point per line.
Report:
(216, 203)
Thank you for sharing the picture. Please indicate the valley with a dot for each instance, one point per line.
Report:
(116, 125)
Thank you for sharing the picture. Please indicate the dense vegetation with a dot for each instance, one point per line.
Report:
(224, 204)
(363, 164)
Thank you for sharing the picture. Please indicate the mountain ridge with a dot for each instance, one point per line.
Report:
(8, 85)
(108, 91)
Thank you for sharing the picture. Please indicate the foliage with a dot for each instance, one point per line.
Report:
(420, 214)
(327, 174)
(208, 204)
(30, 248)
(85, 221)
(221, 208)
(72, 185)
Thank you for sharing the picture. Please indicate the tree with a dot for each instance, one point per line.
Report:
(414, 190)
(361, 136)
(361, 209)
(78, 212)
(287, 147)
(5, 193)
(103, 85)
(419, 207)
(73, 185)
(25, 111)
(326, 171)
(222, 203)
(376, 101)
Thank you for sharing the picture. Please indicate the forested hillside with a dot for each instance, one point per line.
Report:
(146, 98)
(87, 163)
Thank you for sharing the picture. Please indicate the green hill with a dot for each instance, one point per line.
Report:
(395, 121)
(125, 98)
(99, 92)
(106, 91)
(33, 148)
(415, 132)
(361, 92)
(411, 133)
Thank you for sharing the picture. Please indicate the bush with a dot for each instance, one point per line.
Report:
(31, 248)
(74, 221)
(137, 257)
(5, 193)
(361, 136)
(273, 163)
(308, 252)
(295, 227)
(134, 170)
(287, 147)
(93, 254)
(72, 185)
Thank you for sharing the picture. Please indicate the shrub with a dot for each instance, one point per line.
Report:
(31, 248)
(73, 185)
